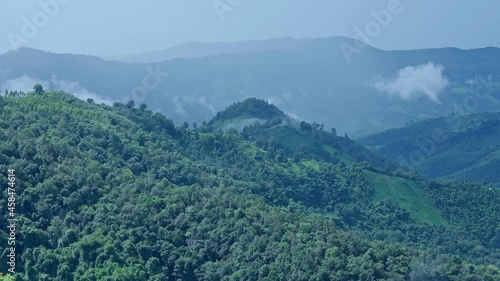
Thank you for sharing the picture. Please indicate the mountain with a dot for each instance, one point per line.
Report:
(260, 121)
(455, 147)
(121, 193)
(312, 80)
(248, 112)
(202, 49)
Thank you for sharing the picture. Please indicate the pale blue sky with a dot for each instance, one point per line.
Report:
(116, 27)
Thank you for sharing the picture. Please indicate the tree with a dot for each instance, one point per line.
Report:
(334, 131)
(304, 126)
(91, 101)
(130, 104)
(38, 89)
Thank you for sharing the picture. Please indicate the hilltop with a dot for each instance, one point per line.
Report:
(262, 122)
(251, 110)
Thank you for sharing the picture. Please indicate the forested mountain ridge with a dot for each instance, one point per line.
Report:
(454, 147)
(308, 74)
(259, 121)
(120, 193)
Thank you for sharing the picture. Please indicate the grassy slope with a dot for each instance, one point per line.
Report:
(297, 141)
(407, 194)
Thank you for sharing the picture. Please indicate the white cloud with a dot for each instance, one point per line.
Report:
(178, 108)
(78, 91)
(201, 100)
(281, 104)
(23, 84)
(26, 83)
(414, 81)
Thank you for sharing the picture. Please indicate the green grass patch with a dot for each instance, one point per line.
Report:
(303, 166)
(408, 194)
(290, 137)
(253, 150)
(347, 159)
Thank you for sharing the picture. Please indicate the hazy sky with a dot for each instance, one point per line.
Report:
(116, 27)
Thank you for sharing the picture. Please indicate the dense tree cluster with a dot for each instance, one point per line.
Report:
(120, 193)
(253, 108)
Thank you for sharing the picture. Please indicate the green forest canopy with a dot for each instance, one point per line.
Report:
(121, 193)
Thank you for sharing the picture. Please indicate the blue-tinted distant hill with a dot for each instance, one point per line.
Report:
(199, 50)
(309, 79)
(466, 148)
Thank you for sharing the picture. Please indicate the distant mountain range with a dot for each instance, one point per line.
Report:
(200, 49)
(309, 79)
